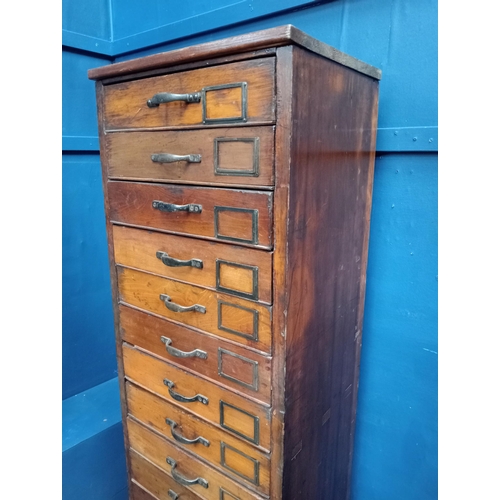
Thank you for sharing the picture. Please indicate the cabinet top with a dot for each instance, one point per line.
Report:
(258, 40)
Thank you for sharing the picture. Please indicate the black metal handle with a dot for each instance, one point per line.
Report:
(170, 158)
(181, 479)
(172, 306)
(196, 353)
(182, 439)
(180, 397)
(171, 207)
(171, 262)
(164, 97)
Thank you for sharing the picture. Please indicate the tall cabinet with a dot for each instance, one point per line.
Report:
(238, 177)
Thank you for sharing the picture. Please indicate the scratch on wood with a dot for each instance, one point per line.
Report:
(297, 450)
(326, 417)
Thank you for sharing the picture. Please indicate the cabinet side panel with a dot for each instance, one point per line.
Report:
(334, 114)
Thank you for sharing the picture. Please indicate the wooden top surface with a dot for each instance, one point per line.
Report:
(273, 37)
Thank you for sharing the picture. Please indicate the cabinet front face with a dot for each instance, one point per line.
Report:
(235, 198)
(189, 181)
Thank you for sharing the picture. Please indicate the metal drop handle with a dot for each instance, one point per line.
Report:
(172, 207)
(164, 97)
(171, 262)
(172, 306)
(182, 439)
(181, 479)
(173, 495)
(196, 353)
(180, 397)
(170, 158)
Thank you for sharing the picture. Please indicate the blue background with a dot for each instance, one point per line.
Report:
(395, 454)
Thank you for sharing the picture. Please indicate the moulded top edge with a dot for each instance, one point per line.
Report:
(257, 40)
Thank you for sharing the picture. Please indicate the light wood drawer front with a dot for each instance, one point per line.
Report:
(243, 156)
(240, 271)
(245, 322)
(154, 480)
(226, 452)
(236, 414)
(137, 493)
(158, 450)
(236, 216)
(241, 92)
(228, 364)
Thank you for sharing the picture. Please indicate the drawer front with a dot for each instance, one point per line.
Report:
(236, 216)
(243, 156)
(240, 271)
(221, 449)
(240, 320)
(223, 362)
(206, 481)
(154, 480)
(236, 414)
(242, 92)
(137, 493)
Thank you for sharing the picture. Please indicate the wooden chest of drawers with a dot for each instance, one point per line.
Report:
(237, 178)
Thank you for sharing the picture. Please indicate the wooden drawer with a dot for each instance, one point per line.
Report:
(181, 466)
(224, 362)
(237, 216)
(243, 156)
(239, 271)
(155, 481)
(241, 92)
(236, 414)
(138, 493)
(240, 320)
(230, 454)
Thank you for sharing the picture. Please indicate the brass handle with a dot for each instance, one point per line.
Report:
(171, 207)
(172, 306)
(197, 353)
(180, 397)
(171, 262)
(182, 439)
(170, 158)
(181, 479)
(164, 97)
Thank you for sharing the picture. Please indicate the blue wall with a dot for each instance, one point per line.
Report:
(396, 436)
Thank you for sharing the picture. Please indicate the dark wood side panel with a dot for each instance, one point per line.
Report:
(331, 172)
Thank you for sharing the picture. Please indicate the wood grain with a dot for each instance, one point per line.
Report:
(137, 248)
(257, 40)
(310, 205)
(240, 320)
(284, 79)
(153, 412)
(330, 198)
(113, 279)
(157, 449)
(125, 104)
(150, 372)
(215, 61)
(153, 479)
(228, 149)
(138, 493)
(131, 203)
(146, 331)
